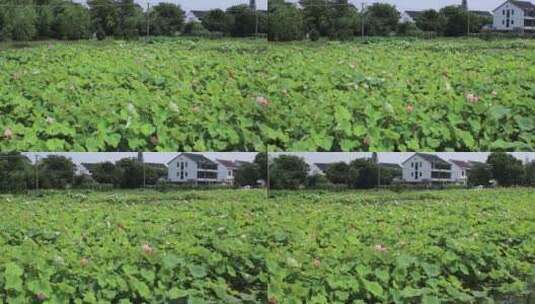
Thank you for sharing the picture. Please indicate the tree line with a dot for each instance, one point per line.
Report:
(340, 20)
(26, 20)
(292, 172)
(18, 173)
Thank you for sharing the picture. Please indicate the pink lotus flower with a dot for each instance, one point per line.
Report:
(147, 249)
(84, 262)
(262, 101)
(381, 248)
(472, 98)
(8, 134)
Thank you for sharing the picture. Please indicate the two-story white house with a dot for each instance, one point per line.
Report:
(514, 16)
(426, 168)
(193, 169)
(227, 171)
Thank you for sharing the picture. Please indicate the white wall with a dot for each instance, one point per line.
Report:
(173, 170)
(516, 17)
(224, 174)
(409, 171)
(458, 174)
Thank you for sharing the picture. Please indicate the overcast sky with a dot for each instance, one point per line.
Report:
(202, 4)
(402, 5)
(310, 157)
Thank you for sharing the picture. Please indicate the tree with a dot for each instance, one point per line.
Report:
(16, 172)
(343, 20)
(104, 16)
(288, 172)
(456, 20)
(431, 21)
(529, 174)
(217, 21)
(479, 175)
(73, 22)
(381, 19)
(244, 20)
(364, 174)
(285, 22)
(107, 173)
(247, 175)
(506, 169)
(339, 173)
(261, 161)
(56, 172)
(130, 19)
(18, 22)
(167, 19)
(316, 16)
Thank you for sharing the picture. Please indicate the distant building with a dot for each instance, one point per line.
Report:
(410, 16)
(426, 168)
(252, 5)
(514, 16)
(195, 15)
(319, 169)
(227, 170)
(190, 168)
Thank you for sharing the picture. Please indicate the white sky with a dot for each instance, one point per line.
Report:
(150, 157)
(397, 157)
(403, 5)
(202, 4)
(310, 157)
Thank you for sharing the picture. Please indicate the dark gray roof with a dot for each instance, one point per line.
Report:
(414, 14)
(525, 5)
(200, 14)
(323, 167)
(462, 164)
(199, 158)
(430, 158)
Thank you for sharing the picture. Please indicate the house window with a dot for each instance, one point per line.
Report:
(512, 22)
(503, 12)
(412, 165)
(420, 174)
(186, 174)
(462, 173)
(412, 174)
(230, 173)
(181, 174)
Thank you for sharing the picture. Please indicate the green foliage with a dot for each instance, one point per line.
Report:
(285, 22)
(56, 172)
(167, 19)
(243, 20)
(247, 175)
(217, 21)
(339, 173)
(459, 246)
(16, 173)
(507, 170)
(480, 175)
(288, 172)
(381, 19)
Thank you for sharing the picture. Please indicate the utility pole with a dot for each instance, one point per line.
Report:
(362, 16)
(267, 173)
(148, 20)
(36, 173)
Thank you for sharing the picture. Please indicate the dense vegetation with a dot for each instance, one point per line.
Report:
(397, 95)
(341, 20)
(67, 20)
(173, 95)
(181, 95)
(211, 247)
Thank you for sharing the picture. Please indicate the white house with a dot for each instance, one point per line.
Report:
(514, 16)
(226, 172)
(426, 168)
(459, 171)
(193, 169)
(318, 169)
